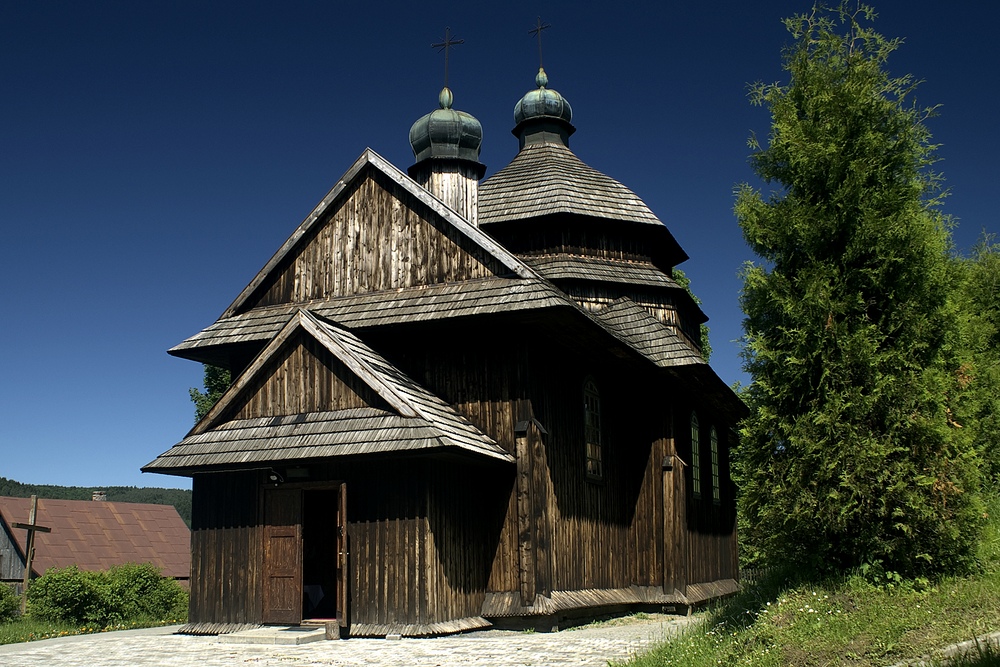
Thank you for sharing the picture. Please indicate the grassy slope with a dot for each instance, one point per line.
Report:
(857, 620)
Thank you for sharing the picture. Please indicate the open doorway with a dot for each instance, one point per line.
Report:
(305, 554)
(320, 554)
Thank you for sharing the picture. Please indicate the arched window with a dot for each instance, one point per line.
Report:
(695, 457)
(714, 440)
(592, 429)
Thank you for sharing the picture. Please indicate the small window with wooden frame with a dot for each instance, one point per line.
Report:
(713, 438)
(695, 456)
(592, 430)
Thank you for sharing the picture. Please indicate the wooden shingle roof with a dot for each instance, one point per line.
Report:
(631, 323)
(564, 266)
(547, 178)
(98, 535)
(272, 440)
(649, 336)
(417, 304)
(415, 418)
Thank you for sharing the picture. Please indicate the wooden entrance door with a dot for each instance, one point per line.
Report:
(342, 559)
(282, 555)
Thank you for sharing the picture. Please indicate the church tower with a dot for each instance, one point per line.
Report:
(586, 232)
(446, 145)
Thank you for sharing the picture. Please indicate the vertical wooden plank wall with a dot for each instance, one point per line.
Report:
(421, 542)
(457, 185)
(378, 238)
(635, 527)
(709, 543)
(600, 530)
(305, 378)
(226, 549)
(11, 565)
(411, 522)
(387, 537)
(483, 379)
(463, 518)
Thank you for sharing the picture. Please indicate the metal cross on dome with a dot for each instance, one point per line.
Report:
(537, 30)
(446, 46)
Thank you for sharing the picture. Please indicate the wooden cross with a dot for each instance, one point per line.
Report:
(29, 551)
(537, 31)
(446, 46)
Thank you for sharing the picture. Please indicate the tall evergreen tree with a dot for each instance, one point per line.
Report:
(851, 455)
(978, 284)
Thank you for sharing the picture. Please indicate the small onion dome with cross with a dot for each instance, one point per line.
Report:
(446, 146)
(543, 114)
(446, 133)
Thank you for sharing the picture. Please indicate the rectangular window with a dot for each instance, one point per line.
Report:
(716, 491)
(695, 457)
(592, 429)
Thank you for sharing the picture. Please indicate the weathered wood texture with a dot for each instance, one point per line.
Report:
(598, 263)
(590, 522)
(410, 558)
(662, 305)
(659, 343)
(226, 549)
(632, 528)
(563, 266)
(11, 559)
(319, 391)
(563, 532)
(304, 377)
(419, 551)
(710, 542)
(594, 240)
(454, 183)
(379, 238)
(546, 178)
(380, 309)
(282, 595)
(430, 538)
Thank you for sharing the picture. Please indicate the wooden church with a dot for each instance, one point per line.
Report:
(459, 403)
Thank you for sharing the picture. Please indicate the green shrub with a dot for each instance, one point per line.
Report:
(141, 592)
(127, 592)
(9, 604)
(69, 595)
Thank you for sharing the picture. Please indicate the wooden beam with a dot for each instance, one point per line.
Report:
(525, 529)
(29, 550)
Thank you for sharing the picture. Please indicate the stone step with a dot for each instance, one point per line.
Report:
(276, 635)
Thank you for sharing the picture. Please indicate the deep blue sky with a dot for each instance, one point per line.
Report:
(153, 155)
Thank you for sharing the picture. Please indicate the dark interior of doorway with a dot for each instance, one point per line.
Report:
(319, 554)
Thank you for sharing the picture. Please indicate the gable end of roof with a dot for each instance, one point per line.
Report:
(371, 159)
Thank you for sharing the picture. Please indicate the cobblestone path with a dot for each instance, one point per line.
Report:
(592, 645)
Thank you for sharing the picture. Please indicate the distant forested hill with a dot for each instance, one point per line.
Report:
(179, 498)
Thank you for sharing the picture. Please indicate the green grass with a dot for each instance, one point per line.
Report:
(855, 620)
(28, 629)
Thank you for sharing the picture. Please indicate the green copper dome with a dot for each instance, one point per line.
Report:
(542, 103)
(446, 133)
(543, 115)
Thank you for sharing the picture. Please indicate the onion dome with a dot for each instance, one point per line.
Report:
(543, 114)
(446, 133)
(542, 102)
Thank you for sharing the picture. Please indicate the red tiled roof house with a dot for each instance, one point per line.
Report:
(94, 536)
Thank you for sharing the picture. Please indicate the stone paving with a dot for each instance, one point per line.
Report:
(594, 645)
